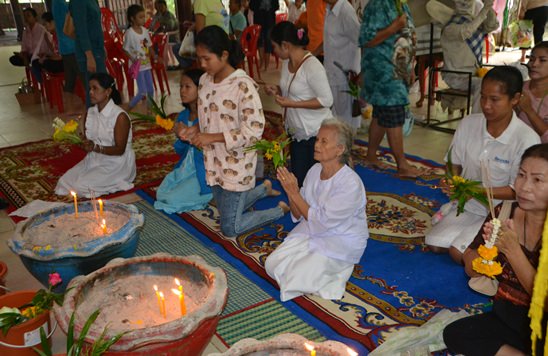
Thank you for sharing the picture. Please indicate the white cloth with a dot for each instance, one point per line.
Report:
(138, 45)
(35, 207)
(457, 231)
(340, 35)
(340, 41)
(472, 144)
(101, 173)
(458, 56)
(318, 255)
(310, 82)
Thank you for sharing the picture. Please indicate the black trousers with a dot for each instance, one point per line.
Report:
(302, 157)
(539, 15)
(484, 334)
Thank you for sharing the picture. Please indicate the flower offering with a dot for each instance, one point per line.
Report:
(159, 116)
(65, 132)
(273, 150)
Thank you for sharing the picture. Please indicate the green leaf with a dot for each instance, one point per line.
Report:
(45, 344)
(7, 320)
(450, 163)
(85, 330)
(70, 333)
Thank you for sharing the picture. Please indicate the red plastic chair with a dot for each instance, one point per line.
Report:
(117, 60)
(249, 40)
(159, 41)
(53, 85)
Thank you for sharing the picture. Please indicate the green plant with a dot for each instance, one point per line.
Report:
(77, 347)
(41, 302)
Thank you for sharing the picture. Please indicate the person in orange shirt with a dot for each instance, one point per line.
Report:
(315, 12)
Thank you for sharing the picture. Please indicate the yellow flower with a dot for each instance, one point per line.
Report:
(70, 126)
(56, 135)
(37, 249)
(158, 120)
(30, 312)
(480, 72)
(488, 253)
(268, 156)
(458, 180)
(276, 147)
(488, 268)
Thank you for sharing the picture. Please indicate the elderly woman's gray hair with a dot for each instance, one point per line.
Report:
(344, 137)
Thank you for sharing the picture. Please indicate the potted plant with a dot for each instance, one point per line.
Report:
(23, 313)
(79, 347)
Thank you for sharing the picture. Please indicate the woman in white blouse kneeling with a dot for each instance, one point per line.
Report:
(319, 254)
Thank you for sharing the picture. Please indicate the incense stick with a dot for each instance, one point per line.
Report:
(488, 188)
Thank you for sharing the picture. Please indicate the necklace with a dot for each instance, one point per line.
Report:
(525, 230)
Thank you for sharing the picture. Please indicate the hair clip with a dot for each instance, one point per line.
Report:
(300, 33)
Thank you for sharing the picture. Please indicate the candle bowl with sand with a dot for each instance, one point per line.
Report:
(57, 240)
(287, 345)
(123, 291)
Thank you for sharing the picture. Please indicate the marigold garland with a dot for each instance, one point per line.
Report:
(485, 264)
(540, 293)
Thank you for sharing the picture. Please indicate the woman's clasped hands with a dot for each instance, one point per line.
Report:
(507, 240)
(288, 181)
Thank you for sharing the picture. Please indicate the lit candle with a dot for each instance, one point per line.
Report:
(100, 207)
(104, 227)
(181, 300)
(163, 306)
(181, 297)
(158, 297)
(75, 203)
(310, 348)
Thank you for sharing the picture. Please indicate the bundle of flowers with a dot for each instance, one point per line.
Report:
(485, 263)
(42, 302)
(462, 189)
(273, 150)
(65, 132)
(159, 116)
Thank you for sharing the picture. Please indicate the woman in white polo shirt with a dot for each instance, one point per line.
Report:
(496, 138)
(304, 93)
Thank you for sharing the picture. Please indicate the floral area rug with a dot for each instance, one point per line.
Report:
(398, 282)
(31, 171)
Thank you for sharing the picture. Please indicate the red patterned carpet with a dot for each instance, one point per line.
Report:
(30, 171)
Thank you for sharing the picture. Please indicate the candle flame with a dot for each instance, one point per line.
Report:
(161, 295)
(177, 282)
(155, 288)
(308, 346)
(176, 291)
(351, 352)
(72, 193)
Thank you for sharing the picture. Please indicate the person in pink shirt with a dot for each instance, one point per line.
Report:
(34, 44)
(533, 105)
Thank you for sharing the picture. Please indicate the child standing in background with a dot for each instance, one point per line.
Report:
(137, 45)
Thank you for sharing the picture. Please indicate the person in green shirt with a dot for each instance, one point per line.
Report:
(238, 22)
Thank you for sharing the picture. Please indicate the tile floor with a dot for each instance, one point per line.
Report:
(33, 122)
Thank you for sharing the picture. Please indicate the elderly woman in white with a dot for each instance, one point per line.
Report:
(318, 255)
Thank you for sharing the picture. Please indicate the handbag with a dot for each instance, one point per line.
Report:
(188, 49)
(134, 69)
(68, 27)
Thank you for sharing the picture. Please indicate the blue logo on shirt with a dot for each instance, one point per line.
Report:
(505, 161)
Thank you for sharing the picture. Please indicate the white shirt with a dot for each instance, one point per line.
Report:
(337, 223)
(138, 45)
(472, 144)
(310, 82)
(293, 12)
(340, 41)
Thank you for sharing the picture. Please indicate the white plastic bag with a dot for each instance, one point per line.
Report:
(188, 49)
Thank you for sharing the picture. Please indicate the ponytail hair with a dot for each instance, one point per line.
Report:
(216, 41)
(106, 82)
(288, 32)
